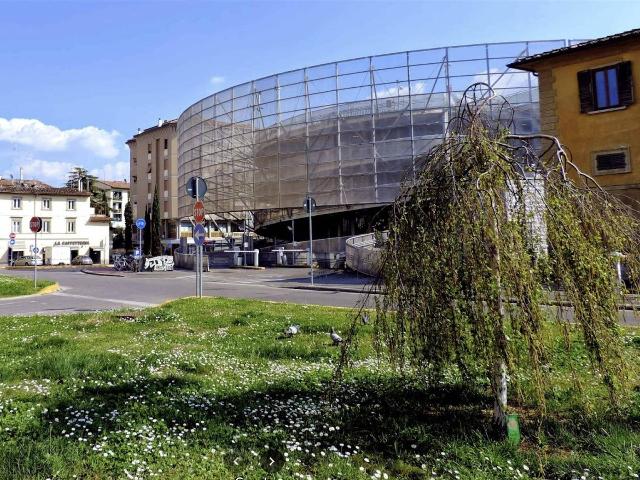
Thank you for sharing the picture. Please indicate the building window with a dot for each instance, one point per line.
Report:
(16, 203)
(46, 204)
(148, 148)
(611, 161)
(16, 225)
(71, 204)
(46, 225)
(117, 195)
(71, 225)
(117, 217)
(605, 88)
(166, 143)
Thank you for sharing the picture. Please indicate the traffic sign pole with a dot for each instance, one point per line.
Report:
(198, 252)
(310, 205)
(310, 241)
(35, 225)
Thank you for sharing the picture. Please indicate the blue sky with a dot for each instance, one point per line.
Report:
(78, 78)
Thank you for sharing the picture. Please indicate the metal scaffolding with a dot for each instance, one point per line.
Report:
(346, 132)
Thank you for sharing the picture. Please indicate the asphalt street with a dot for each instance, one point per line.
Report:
(81, 292)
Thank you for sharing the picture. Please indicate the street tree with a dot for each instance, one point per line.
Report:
(492, 229)
(128, 226)
(156, 244)
(79, 178)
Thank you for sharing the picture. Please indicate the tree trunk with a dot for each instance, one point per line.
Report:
(499, 373)
(499, 383)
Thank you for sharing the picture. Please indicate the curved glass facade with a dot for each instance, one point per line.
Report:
(345, 132)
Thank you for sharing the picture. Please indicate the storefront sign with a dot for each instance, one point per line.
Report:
(70, 243)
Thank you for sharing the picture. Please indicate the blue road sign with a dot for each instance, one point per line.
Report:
(12, 242)
(140, 223)
(136, 253)
(198, 235)
(196, 184)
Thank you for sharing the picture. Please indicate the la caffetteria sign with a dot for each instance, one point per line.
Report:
(70, 243)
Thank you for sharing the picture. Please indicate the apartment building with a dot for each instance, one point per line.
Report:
(117, 193)
(588, 98)
(69, 224)
(154, 165)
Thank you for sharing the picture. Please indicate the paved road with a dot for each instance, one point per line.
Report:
(81, 292)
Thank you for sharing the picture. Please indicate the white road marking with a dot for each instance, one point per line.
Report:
(109, 300)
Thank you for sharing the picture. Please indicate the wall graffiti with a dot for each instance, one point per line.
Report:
(163, 263)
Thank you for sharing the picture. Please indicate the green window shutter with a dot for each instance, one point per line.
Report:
(585, 90)
(625, 83)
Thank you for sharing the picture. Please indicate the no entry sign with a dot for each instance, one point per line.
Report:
(198, 211)
(35, 224)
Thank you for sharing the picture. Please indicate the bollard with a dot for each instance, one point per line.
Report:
(256, 255)
(279, 256)
(513, 429)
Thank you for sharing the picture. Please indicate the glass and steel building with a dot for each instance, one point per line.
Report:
(347, 133)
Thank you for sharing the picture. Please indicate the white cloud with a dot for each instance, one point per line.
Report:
(112, 171)
(216, 80)
(417, 88)
(501, 79)
(48, 171)
(42, 137)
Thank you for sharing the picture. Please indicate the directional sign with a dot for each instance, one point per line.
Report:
(35, 250)
(12, 236)
(196, 185)
(198, 212)
(12, 242)
(199, 234)
(35, 224)
(309, 204)
(140, 223)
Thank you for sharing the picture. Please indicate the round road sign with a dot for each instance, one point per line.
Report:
(12, 236)
(198, 211)
(140, 223)
(35, 224)
(12, 242)
(196, 185)
(309, 204)
(198, 234)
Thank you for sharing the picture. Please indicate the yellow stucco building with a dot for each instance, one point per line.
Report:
(589, 101)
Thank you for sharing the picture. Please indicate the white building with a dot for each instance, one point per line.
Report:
(69, 225)
(118, 196)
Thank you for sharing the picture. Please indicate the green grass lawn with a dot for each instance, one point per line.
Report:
(207, 389)
(15, 286)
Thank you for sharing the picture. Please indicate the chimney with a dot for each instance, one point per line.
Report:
(20, 175)
(139, 129)
(160, 122)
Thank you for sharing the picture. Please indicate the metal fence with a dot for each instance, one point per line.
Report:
(346, 132)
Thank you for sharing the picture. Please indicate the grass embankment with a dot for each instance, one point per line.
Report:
(15, 286)
(206, 389)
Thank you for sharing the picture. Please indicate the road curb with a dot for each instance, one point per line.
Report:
(101, 274)
(50, 289)
(43, 291)
(332, 289)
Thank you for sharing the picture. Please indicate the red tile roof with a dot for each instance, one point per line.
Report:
(119, 184)
(597, 42)
(36, 187)
(99, 219)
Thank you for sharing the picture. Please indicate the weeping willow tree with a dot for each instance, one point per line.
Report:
(494, 229)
